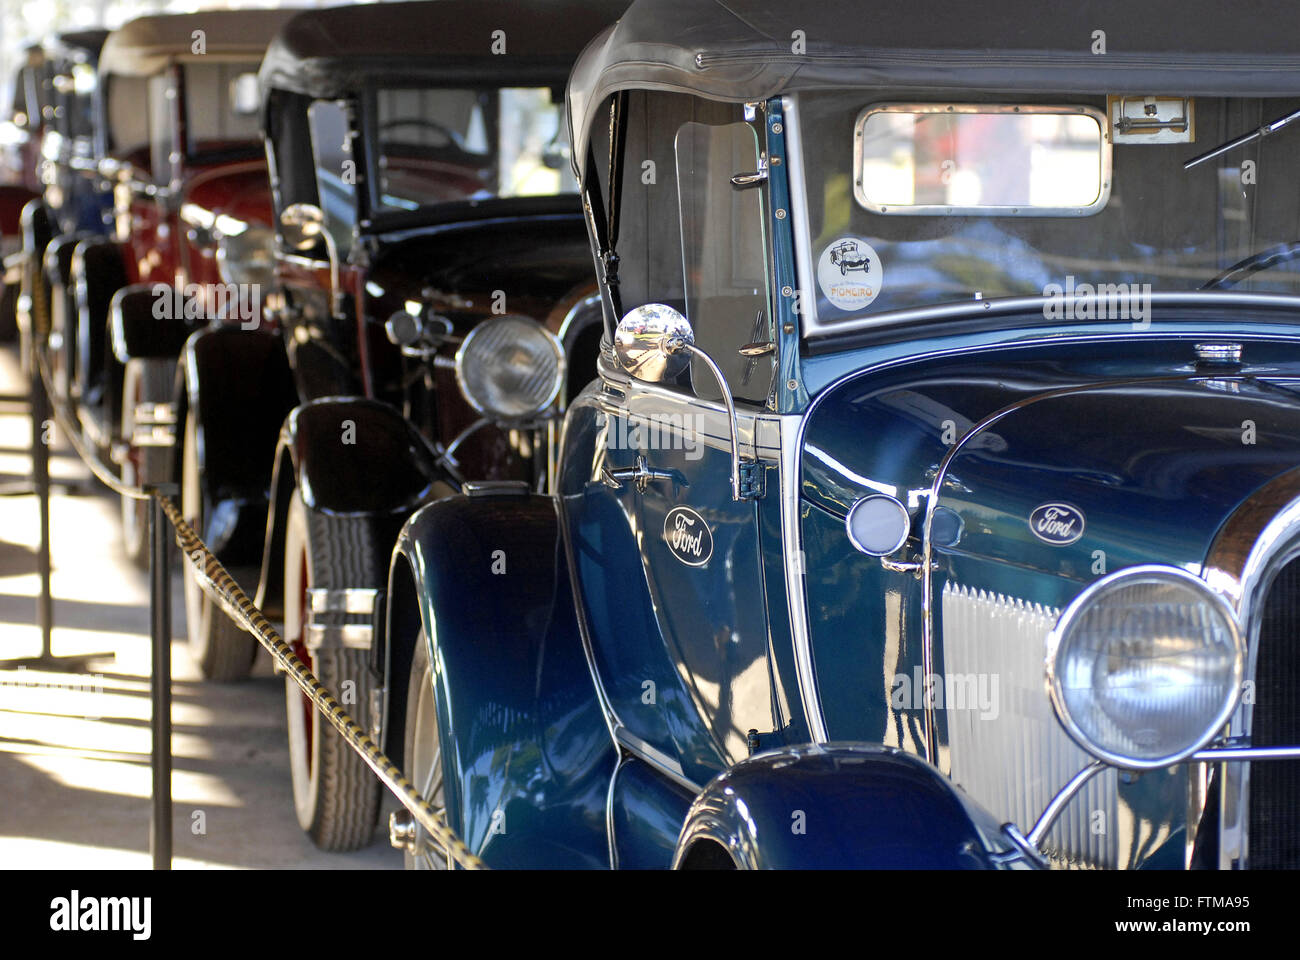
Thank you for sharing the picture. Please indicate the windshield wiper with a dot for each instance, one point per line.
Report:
(1245, 138)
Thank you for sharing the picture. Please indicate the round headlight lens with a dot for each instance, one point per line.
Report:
(510, 368)
(1145, 666)
(247, 257)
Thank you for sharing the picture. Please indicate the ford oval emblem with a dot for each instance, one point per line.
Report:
(1056, 523)
(688, 536)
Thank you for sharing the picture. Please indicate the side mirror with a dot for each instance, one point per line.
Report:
(654, 342)
(304, 225)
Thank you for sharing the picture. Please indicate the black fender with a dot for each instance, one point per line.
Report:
(99, 271)
(348, 455)
(62, 301)
(840, 806)
(144, 323)
(238, 386)
(527, 754)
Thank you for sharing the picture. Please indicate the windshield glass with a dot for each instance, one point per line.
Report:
(221, 108)
(438, 146)
(1160, 225)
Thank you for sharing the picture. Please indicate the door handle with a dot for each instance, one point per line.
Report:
(641, 475)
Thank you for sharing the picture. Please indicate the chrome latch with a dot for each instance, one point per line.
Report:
(641, 475)
(743, 180)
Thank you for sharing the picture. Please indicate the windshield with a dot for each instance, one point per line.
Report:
(221, 109)
(438, 146)
(877, 236)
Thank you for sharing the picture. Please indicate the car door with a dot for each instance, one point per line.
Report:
(668, 566)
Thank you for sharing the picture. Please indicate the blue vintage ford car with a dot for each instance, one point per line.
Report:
(937, 503)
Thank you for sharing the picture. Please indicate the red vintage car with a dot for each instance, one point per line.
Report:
(181, 148)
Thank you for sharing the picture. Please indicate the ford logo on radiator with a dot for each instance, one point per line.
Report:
(688, 536)
(1056, 523)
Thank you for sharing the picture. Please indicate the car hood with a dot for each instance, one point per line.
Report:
(1078, 481)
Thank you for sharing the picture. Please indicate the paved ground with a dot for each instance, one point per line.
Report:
(74, 747)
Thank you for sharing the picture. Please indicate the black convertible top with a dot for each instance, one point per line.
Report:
(739, 50)
(77, 44)
(144, 46)
(333, 51)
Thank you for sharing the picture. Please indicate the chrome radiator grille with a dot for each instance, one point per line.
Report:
(1274, 834)
(1015, 758)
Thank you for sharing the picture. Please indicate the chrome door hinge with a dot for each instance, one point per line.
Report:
(753, 482)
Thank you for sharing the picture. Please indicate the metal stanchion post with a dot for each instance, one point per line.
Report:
(41, 474)
(160, 618)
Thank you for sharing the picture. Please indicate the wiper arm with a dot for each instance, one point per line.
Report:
(1245, 138)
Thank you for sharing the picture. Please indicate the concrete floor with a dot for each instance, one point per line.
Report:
(74, 747)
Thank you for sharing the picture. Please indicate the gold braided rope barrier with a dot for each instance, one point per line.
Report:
(219, 585)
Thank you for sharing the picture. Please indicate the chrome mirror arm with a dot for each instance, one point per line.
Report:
(681, 345)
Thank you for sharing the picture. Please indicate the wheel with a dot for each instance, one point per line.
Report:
(335, 795)
(223, 651)
(145, 381)
(423, 753)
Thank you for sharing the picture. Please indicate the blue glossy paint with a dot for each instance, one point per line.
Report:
(1149, 449)
(841, 807)
(527, 756)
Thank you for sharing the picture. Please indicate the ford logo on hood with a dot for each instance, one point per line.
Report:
(1056, 523)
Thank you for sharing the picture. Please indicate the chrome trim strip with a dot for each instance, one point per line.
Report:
(1261, 537)
(656, 758)
(328, 636)
(649, 403)
(350, 600)
(795, 584)
(998, 305)
(609, 810)
(950, 108)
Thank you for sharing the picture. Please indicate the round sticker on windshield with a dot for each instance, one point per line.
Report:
(850, 273)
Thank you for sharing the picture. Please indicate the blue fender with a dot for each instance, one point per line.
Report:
(840, 806)
(238, 388)
(526, 752)
(347, 455)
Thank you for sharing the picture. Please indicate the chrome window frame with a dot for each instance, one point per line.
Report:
(996, 109)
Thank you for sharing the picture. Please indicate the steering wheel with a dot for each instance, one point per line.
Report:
(448, 135)
(1282, 253)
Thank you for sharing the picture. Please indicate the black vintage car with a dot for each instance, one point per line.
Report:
(433, 287)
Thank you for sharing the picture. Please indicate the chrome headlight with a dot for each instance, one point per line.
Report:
(247, 257)
(1145, 666)
(510, 368)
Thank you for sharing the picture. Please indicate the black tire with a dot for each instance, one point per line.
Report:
(336, 796)
(423, 754)
(223, 651)
(146, 380)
